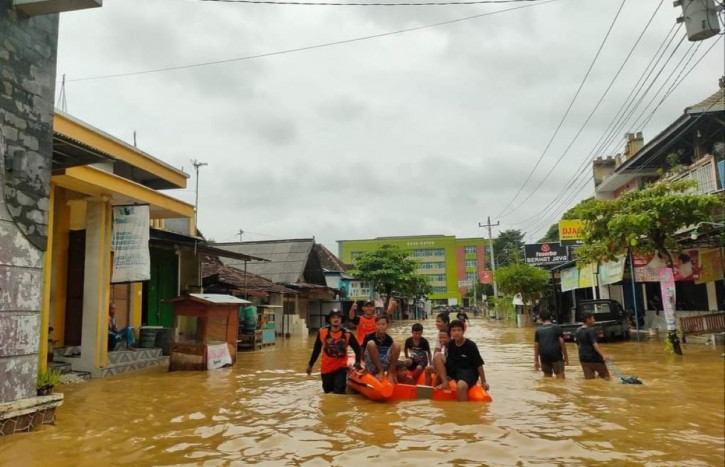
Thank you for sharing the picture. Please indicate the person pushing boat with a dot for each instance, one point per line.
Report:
(333, 341)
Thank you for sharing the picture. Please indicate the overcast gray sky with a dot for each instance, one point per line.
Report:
(424, 132)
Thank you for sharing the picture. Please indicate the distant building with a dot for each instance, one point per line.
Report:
(452, 264)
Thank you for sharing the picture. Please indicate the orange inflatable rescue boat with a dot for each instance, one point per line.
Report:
(369, 386)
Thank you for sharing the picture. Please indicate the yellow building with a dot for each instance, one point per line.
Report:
(92, 172)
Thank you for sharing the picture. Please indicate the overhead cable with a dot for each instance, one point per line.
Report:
(310, 47)
(504, 212)
(472, 2)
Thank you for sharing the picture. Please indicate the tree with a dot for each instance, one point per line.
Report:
(552, 235)
(388, 268)
(529, 281)
(507, 246)
(646, 221)
(416, 287)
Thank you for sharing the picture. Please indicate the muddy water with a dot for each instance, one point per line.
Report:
(266, 410)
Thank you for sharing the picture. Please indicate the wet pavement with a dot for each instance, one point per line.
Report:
(267, 411)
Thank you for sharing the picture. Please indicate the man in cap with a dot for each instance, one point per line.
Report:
(333, 341)
(366, 323)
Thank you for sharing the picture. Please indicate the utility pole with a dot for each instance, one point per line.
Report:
(489, 225)
(196, 165)
(241, 232)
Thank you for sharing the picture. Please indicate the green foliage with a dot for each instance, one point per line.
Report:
(644, 220)
(388, 268)
(529, 281)
(416, 286)
(506, 247)
(47, 378)
(552, 235)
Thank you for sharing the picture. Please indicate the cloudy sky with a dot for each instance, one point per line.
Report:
(428, 131)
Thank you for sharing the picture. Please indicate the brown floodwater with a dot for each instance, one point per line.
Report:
(266, 410)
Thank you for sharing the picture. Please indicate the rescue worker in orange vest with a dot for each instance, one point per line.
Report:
(366, 323)
(333, 341)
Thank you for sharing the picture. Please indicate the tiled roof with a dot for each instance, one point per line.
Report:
(714, 103)
(329, 261)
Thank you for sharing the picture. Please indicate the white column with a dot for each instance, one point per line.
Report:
(712, 304)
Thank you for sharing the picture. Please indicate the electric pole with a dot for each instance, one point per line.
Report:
(489, 225)
(241, 232)
(196, 165)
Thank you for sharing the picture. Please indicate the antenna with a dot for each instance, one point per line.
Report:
(196, 165)
(241, 232)
(62, 104)
(134, 138)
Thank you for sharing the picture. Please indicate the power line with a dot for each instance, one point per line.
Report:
(503, 212)
(310, 47)
(272, 2)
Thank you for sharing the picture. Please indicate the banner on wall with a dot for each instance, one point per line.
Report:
(611, 272)
(586, 276)
(569, 279)
(130, 243)
(686, 266)
(711, 266)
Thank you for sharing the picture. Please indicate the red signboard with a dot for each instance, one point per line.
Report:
(485, 277)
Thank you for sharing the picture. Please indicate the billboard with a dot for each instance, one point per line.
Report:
(570, 232)
(542, 254)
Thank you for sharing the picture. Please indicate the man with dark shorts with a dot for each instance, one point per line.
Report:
(591, 356)
(463, 364)
(550, 355)
(333, 340)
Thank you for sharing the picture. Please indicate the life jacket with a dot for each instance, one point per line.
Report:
(334, 349)
(364, 327)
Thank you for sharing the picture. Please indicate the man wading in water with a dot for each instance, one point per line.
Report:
(334, 341)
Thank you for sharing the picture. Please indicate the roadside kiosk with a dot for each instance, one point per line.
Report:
(206, 331)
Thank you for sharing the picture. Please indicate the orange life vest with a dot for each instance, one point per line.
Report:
(364, 327)
(334, 349)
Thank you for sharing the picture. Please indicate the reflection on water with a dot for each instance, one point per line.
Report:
(266, 410)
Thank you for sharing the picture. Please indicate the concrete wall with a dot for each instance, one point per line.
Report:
(28, 49)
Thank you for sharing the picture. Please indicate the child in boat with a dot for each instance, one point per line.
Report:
(402, 375)
(442, 322)
(417, 351)
(381, 352)
(440, 354)
(464, 363)
(366, 323)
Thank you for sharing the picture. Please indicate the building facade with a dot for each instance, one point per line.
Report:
(452, 264)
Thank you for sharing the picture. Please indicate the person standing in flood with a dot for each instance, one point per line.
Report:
(550, 355)
(590, 355)
(333, 341)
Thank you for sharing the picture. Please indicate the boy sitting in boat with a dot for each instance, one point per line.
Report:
(417, 351)
(442, 322)
(381, 352)
(402, 375)
(463, 364)
(440, 354)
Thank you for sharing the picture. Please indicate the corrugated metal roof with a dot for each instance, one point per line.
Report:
(287, 258)
(218, 298)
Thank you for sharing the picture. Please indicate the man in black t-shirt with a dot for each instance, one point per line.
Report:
(591, 356)
(463, 363)
(550, 353)
(381, 352)
(417, 351)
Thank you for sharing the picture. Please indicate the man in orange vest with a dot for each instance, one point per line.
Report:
(366, 323)
(333, 341)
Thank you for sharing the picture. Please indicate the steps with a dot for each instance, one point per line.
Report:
(120, 361)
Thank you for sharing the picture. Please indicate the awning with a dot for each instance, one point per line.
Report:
(164, 236)
(95, 182)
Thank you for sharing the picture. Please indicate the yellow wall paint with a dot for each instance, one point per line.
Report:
(77, 214)
(136, 305)
(47, 269)
(59, 263)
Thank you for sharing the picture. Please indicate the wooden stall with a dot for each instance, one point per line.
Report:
(206, 331)
(268, 323)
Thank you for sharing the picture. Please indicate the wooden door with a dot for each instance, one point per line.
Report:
(74, 287)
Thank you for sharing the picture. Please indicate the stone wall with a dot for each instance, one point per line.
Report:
(28, 48)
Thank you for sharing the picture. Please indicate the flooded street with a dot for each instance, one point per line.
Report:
(266, 410)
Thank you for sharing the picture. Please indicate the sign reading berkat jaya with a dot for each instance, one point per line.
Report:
(540, 254)
(130, 243)
(570, 232)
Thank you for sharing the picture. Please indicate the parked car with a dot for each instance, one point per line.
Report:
(611, 320)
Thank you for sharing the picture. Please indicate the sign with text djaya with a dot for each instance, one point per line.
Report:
(541, 254)
(570, 231)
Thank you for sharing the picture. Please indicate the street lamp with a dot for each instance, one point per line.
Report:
(696, 234)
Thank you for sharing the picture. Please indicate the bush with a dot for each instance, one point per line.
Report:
(47, 378)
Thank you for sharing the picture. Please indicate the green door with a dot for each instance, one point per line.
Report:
(163, 285)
